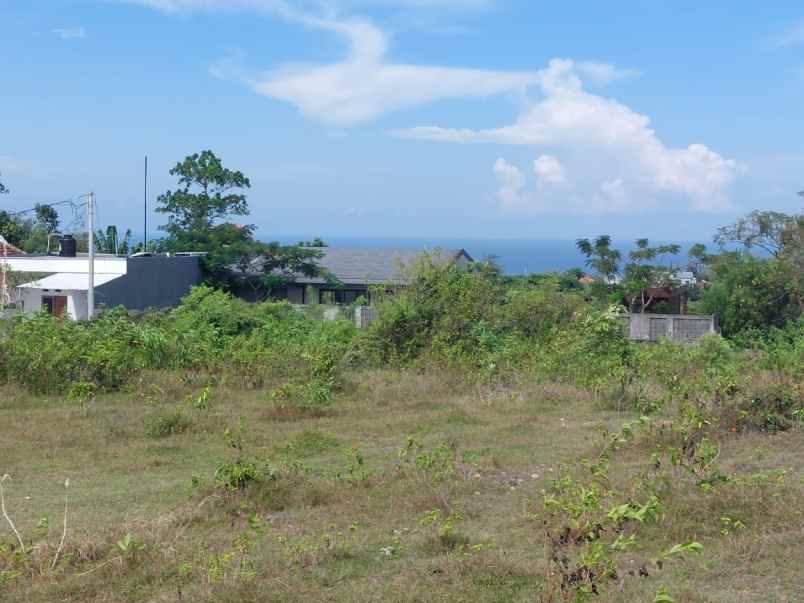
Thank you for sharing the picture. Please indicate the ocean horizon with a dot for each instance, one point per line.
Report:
(515, 256)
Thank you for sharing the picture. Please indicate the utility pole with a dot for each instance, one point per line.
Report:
(91, 243)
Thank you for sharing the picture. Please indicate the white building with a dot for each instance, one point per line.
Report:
(685, 277)
(136, 283)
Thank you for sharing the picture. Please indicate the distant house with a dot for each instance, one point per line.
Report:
(352, 271)
(667, 300)
(685, 277)
(136, 282)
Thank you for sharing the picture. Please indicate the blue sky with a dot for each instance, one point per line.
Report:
(414, 118)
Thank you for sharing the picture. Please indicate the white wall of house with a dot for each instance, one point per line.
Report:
(76, 301)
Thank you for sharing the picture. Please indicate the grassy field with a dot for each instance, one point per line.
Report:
(347, 518)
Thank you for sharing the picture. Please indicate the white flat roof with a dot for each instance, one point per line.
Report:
(104, 264)
(69, 281)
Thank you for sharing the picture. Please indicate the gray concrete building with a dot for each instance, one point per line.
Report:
(59, 284)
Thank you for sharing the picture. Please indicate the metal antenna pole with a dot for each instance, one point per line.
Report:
(145, 209)
(91, 243)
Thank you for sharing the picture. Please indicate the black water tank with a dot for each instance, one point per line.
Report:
(67, 246)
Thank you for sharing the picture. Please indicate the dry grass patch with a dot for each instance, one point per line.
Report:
(343, 516)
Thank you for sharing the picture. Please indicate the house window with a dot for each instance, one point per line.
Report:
(340, 296)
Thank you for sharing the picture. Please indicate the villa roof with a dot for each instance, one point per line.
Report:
(372, 266)
(69, 281)
(7, 249)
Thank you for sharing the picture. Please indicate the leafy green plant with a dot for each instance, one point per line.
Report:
(241, 471)
(129, 547)
(203, 401)
(356, 471)
(237, 564)
(82, 392)
(167, 423)
(238, 474)
(663, 596)
(445, 524)
(436, 465)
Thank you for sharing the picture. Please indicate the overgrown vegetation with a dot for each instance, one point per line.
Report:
(486, 437)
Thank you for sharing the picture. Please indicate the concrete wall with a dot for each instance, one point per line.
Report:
(151, 282)
(675, 327)
(364, 316)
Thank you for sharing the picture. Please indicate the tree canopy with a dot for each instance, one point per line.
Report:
(207, 194)
(47, 218)
(199, 214)
(645, 271)
(762, 229)
(110, 241)
(600, 256)
(751, 292)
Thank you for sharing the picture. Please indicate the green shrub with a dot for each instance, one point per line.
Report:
(82, 392)
(41, 352)
(310, 442)
(164, 424)
(238, 474)
(767, 406)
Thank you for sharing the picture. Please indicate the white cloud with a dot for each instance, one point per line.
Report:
(71, 33)
(793, 36)
(605, 141)
(511, 183)
(188, 6)
(451, 4)
(176, 6)
(603, 74)
(365, 84)
(617, 161)
(549, 169)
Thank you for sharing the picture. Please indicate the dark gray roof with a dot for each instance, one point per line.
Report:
(376, 266)
(366, 266)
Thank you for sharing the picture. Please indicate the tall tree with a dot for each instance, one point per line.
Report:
(748, 293)
(791, 258)
(47, 218)
(207, 194)
(198, 213)
(111, 242)
(3, 189)
(762, 229)
(643, 272)
(697, 257)
(601, 256)
(14, 229)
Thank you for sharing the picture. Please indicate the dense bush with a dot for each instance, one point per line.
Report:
(46, 354)
(472, 319)
(210, 331)
(750, 293)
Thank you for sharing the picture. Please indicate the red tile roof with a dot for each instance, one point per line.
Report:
(7, 249)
